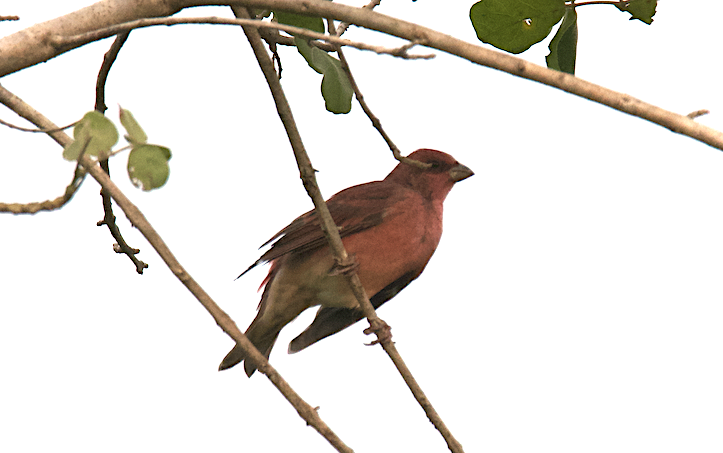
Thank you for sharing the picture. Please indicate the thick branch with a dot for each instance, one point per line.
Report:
(137, 218)
(32, 46)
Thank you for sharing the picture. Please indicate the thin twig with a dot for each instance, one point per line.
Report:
(108, 60)
(109, 219)
(698, 113)
(343, 26)
(27, 129)
(50, 205)
(63, 42)
(599, 2)
(372, 117)
(2, 18)
(224, 321)
(270, 37)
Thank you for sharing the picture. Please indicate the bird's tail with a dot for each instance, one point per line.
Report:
(264, 343)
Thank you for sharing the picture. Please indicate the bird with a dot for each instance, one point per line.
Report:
(391, 228)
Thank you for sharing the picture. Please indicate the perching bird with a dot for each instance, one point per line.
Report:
(391, 227)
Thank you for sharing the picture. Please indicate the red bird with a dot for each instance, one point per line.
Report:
(392, 228)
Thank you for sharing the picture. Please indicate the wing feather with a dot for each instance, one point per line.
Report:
(354, 209)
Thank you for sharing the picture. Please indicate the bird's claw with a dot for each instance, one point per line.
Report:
(344, 268)
(382, 331)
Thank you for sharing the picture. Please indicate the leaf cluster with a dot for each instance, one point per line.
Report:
(335, 86)
(94, 135)
(515, 25)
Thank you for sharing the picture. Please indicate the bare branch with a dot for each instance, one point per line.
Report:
(63, 42)
(48, 205)
(26, 129)
(24, 110)
(373, 118)
(108, 60)
(345, 25)
(385, 341)
(598, 2)
(32, 46)
(224, 321)
(698, 113)
(501, 61)
(3, 18)
(267, 67)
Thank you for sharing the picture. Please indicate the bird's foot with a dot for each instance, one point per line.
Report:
(382, 331)
(344, 268)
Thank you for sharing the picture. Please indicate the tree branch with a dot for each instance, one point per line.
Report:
(345, 25)
(32, 46)
(121, 246)
(48, 205)
(388, 345)
(35, 130)
(223, 320)
(63, 42)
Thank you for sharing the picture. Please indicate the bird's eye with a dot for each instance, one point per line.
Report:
(435, 165)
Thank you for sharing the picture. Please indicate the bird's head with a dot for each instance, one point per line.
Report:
(433, 182)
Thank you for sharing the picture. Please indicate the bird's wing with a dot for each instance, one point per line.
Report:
(330, 320)
(354, 209)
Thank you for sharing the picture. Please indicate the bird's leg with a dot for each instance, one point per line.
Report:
(382, 331)
(345, 267)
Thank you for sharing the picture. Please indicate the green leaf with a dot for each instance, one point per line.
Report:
(335, 86)
(515, 25)
(97, 131)
(73, 149)
(563, 47)
(135, 135)
(148, 166)
(297, 20)
(643, 10)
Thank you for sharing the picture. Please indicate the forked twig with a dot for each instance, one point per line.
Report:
(109, 219)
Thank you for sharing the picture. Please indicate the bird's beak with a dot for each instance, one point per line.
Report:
(459, 172)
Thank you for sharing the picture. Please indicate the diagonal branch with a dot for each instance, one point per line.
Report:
(331, 232)
(223, 320)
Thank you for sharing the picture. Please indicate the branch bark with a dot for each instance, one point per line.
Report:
(32, 46)
(62, 42)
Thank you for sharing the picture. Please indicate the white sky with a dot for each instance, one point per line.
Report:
(574, 304)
